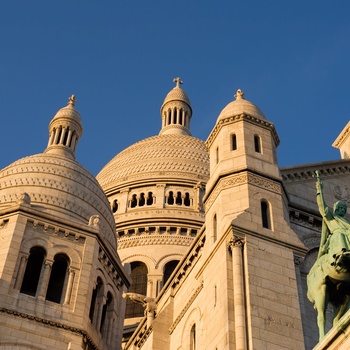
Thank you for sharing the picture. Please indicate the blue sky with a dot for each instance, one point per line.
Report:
(291, 58)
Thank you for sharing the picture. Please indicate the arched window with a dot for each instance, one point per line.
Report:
(33, 270)
(168, 270)
(133, 202)
(193, 338)
(65, 136)
(115, 206)
(257, 143)
(171, 198)
(233, 142)
(217, 155)
(265, 214)
(169, 116)
(97, 295)
(138, 285)
(178, 198)
(142, 200)
(107, 315)
(180, 116)
(175, 115)
(215, 228)
(187, 200)
(149, 198)
(57, 278)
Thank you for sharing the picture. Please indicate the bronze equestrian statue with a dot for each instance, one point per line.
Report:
(329, 278)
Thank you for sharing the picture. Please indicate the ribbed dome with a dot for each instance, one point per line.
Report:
(59, 186)
(166, 156)
(240, 106)
(68, 113)
(177, 94)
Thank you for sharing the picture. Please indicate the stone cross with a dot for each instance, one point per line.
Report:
(178, 81)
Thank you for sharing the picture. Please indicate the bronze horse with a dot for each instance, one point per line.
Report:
(328, 283)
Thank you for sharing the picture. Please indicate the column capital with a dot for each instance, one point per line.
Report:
(235, 242)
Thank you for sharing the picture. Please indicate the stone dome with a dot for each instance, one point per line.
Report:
(59, 186)
(240, 106)
(55, 182)
(177, 94)
(168, 156)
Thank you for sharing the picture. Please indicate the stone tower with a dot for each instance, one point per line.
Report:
(61, 279)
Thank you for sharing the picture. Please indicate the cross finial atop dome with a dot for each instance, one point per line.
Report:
(177, 81)
(239, 94)
(72, 100)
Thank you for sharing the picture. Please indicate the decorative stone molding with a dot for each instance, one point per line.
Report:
(244, 177)
(187, 306)
(342, 137)
(142, 336)
(237, 118)
(55, 231)
(129, 257)
(235, 242)
(305, 219)
(291, 175)
(110, 268)
(86, 338)
(187, 265)
(154, 240)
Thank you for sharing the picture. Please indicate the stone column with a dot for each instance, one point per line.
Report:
(160, 195)
(52, 134)
(55, 141)
(100, 302)
(69, 286)
(21, 270)
(236, 247)
(70, 133)
(45, 279)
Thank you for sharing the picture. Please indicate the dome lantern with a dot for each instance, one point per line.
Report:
(65, 130)
(176, 111)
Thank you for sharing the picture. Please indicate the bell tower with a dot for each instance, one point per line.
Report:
(247, 217)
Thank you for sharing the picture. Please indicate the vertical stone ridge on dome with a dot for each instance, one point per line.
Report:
(176, 111)
(65, 130)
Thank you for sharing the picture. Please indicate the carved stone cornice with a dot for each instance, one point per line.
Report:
(56, 231)
(306, 220)
(86, 338)
(308, 173)
(237, 118)
(110, 268)
(243, 177)
(135, 241)
(142, 336)
(187, 306)
(342, 137)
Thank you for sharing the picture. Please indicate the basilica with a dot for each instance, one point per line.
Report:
(177, 244)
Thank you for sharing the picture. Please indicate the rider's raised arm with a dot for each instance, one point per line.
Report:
(322, 207)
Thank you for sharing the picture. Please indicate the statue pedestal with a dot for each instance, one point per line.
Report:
(338, 337)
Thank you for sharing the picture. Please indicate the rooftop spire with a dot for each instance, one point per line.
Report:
(177, 81)
(239, 94)
(65, 130)
(72, 100)
(176, 111)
